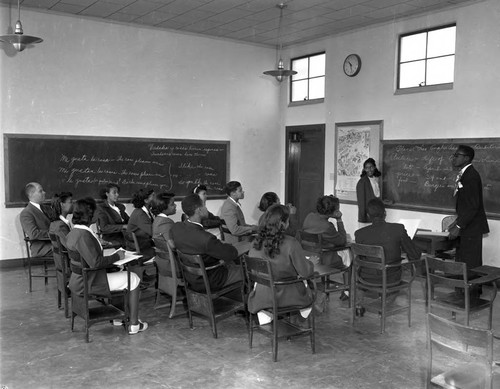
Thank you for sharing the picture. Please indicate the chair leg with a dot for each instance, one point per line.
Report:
(312, 326)
(382, 317)
(173, 303)
(275, 338)
(59, 302)
(250, 331)
(214, 326)
(46, 272)
(66, 305)
(409, 306)
(353, 302)
(29, 272)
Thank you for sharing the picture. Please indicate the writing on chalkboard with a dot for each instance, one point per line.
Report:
(418, 174)
(83, 164)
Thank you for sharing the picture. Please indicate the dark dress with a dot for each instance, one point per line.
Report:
(289, 263)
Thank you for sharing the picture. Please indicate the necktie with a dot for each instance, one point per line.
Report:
(457, 182)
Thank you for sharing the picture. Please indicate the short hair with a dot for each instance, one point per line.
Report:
(376, 172)
(198, 188)
(191, 203)
(139, 197)
(83, 211)
(106, 189)
(57, 200)
(467, 150)
(268, 199)
(231, 186)
(160, 202)
(272, 230)
(30, 188)
(326, 205)
(375, 208)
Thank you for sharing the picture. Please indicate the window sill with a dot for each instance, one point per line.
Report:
(429, 88)
(306, 102)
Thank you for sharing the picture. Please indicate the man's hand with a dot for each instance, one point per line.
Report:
(454, 232)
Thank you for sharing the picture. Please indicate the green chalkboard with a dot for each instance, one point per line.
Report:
(418, 175)
(82, 165)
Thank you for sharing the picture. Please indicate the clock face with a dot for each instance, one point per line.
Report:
(352, 65)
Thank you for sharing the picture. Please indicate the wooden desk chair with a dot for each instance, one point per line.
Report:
(93, 308)
(63, 272)
(45, 261)
(258, 270)
(170, 279)
(464, 343)
(445, 282)
(373, 257)
(223, 230)
(447, 221)
(210, 305)
(132, 244)
(314, 243)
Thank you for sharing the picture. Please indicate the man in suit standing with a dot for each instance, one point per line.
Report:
(191, 238)
(392, 237)
(233, 216)
(35, 220)
(471, 221)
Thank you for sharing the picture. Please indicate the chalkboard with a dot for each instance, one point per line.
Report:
(418, 174)
(82, 165)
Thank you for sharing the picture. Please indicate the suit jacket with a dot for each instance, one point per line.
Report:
(289, 263)
(191, 238)
(86, 245)
(35, 224)
(141, 225)
(392, 237)
(364, 193)
(161, 227)
(109, 222)
(471, 216)
(235, 221)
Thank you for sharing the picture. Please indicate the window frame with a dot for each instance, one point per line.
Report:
(308, 101)
(424, 88)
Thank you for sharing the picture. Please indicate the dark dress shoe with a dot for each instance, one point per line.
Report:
(360, 311)
(343, 296)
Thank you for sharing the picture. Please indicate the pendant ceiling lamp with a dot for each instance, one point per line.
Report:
(18, 40)
(280, 72)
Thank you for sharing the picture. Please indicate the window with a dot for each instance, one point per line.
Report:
(309, 82)
(427, 58)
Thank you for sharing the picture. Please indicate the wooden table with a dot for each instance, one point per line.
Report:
(432, 243)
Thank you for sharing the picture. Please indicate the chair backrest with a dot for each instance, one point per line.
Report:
(166, 258)
(131, 241)
(460, 340)
(258, 270)
(310, 242)
(223, 230)
(447, 220)
(192, 264)
(60, 253)
(446, 273)
(368, 257)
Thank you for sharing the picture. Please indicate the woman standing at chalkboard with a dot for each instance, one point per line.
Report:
(368, 188)
(111, 216)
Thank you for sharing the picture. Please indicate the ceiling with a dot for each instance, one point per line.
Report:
(254, 21)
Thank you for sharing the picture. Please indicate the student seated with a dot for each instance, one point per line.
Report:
(233, 216)
(211, 221)
(83, 240)
(141, 222)
(62, 206)
(191, 238)
(162, 207)
(288, 260)
(111, 216)
(35, 220)
(317, 223)
(271, 198)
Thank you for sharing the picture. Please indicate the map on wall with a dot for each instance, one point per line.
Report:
(355, 143)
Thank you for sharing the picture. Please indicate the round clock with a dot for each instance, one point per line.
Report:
(352, 65)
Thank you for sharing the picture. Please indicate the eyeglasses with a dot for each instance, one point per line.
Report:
(457, 154)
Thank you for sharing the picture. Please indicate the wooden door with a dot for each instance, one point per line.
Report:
(305, 167)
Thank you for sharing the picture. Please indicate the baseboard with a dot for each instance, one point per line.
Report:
(12, 263)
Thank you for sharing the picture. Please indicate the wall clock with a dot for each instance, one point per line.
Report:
(352, 65)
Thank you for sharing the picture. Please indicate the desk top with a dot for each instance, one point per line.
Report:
(486, 270)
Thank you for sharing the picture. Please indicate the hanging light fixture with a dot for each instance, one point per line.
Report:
(280, 72)
(18, 40)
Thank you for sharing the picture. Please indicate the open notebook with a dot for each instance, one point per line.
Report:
(129, 255)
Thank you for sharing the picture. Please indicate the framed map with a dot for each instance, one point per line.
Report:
(355, 142)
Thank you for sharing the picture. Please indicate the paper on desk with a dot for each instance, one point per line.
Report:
(411, 225)
(433, 233)
(129, 256)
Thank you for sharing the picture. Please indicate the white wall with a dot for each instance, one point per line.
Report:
(469, 110)
(103, 79)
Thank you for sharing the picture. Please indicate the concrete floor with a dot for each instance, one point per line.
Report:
(38, 349)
